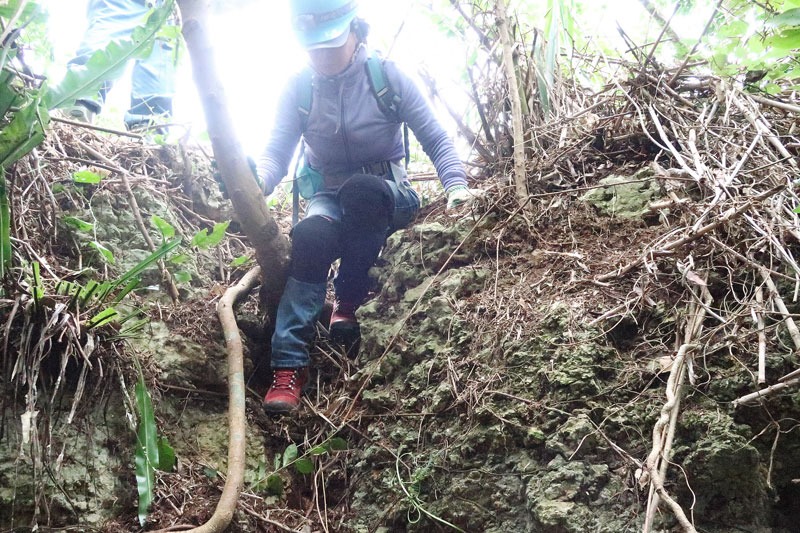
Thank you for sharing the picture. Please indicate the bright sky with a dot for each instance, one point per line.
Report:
(256, 52)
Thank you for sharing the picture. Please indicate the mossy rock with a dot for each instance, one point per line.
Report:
(620, 198)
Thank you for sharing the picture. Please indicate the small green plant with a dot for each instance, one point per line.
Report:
(205, 240)
(412, 488)
(304, 464)
(152, 452)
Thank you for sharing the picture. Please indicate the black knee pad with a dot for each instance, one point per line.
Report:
(315, 245)
(366, 201)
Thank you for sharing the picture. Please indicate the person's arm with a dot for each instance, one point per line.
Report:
(415, 111)
(273, 164)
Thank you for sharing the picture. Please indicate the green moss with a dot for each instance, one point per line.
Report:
(623, 199)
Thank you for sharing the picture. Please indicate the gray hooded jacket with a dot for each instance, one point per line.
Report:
(347, 130)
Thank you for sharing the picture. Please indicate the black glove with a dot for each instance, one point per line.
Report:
(221, 184)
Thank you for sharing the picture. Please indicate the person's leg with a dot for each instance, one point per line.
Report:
(152, 86)
(372, 208)
(315, 245)
(367, 210)
(107, 20)
(315, 242)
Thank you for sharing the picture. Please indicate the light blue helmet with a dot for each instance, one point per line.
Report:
(322, 23)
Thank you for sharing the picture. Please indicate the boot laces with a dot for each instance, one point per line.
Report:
(284, 379)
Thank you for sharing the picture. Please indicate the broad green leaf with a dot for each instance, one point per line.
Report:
(796, 209)
(289, 455)
(78, 224)
(785, 40)
(210, 473)
(103, 290)
(102, 318)
(170, 33)
(10, 8)
(275, 484)
(88, 291)
(24, 133)
(105, 252)
(304, 465)
(109, 63)
(179, 259)
(318, 450)
(734, 29)
(132, 284)
(5, 226)
(200, 238)
(9, 95)
(87, 176)
(166, 455)
(182, 276)
(163, 226)
(277, 461)
(790, 17)
(204, 240)
(337, 444)
(218, 234)
(163, 250)
(239, 261)
(146, 458)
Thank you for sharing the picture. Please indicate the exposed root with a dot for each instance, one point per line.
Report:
(237, 422)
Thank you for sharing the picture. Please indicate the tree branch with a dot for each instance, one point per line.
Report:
(272, 248)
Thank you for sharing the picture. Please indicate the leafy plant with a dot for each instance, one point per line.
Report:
(164, 227)
(764, 49)
(241, 260)
(152, 452)
(303, 464)
(204, 240)
(87, 177)
(29, 106)
(412, 489)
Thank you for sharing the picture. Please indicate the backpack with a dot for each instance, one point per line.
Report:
(388, 102)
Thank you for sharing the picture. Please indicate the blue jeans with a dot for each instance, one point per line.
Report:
(334, 227)
(153, 81)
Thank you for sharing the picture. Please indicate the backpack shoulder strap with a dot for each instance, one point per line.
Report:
(305, 94)
(388, 100)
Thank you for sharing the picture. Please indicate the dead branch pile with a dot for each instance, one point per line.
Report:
(726, 161)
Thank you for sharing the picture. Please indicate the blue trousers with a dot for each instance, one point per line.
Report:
(153, 81)
(351, 223)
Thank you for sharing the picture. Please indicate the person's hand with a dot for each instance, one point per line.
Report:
(261, 184)
(460, 195)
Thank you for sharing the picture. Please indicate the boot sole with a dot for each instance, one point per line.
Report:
(279, 408)
(345, 333)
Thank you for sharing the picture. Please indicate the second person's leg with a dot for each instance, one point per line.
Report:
(108, 20)
(152, 86)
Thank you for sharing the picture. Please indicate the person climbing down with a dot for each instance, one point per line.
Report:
(153, 79)
(348, 106)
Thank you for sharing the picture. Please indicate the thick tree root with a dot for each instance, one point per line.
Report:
(236, 414)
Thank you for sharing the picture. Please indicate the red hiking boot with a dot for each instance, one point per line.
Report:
(344, 328)
(283, 395)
